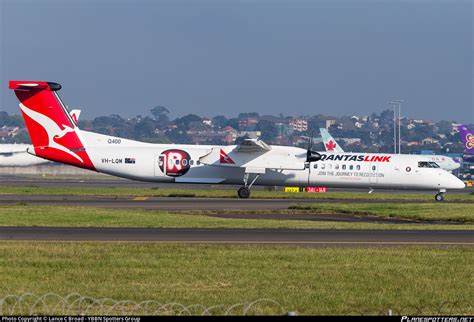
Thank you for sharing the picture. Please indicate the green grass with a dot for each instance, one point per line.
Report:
(431, 212)
(63, 216)
(305, 280)
(219, 193)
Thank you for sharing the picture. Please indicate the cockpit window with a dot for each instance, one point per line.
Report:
(434, 165)
(425, 164)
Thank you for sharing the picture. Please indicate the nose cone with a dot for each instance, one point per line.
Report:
(447, 180)
(455, 183)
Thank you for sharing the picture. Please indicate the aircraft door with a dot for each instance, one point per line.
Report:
(160, 165)
(374, 171)
(308, 167)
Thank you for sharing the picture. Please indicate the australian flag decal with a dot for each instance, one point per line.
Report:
(130, 160)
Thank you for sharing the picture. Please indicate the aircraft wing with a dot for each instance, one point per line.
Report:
(254, 156)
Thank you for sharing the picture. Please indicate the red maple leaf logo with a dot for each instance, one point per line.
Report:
(330, 145)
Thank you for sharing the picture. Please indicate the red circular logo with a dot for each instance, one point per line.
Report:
(174, 163)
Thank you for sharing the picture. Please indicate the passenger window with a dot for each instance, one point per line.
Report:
(337, 166)
(197, 162)
(329, 166)
(315, 166)
(374, 167)
(323, 166)
(191, 162)
(351, 167)
(358, 167)
(343, 167)
(184, 162)
(177, 162)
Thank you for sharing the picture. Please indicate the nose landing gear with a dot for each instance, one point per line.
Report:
(440, 195)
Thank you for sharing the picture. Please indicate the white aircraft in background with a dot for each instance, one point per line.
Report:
(15, 155)
(55, 136)
(329, 142)
(444, 162)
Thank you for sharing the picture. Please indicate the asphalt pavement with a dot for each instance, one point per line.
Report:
(308, 237)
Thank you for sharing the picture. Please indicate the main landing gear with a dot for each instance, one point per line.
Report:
(244, 192)
(440, 195)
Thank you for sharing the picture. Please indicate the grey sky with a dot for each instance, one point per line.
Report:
(224, 57)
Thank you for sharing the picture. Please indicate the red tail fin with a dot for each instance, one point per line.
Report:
(53, 133)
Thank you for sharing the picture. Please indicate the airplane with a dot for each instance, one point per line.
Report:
(55, 136)
(467, 138)
(444, 162)
(15, 155)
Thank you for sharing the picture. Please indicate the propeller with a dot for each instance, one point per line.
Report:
(312, 156)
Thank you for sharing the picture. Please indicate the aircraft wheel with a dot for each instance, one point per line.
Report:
(439, 197)
(243, 192)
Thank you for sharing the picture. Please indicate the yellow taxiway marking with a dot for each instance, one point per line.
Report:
(140, 198)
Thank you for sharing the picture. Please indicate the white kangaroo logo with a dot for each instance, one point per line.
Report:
(53, 130)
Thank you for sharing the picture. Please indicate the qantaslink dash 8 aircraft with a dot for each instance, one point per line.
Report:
(55, 136)
(444, 162)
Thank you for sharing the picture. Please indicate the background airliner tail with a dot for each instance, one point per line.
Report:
(330, 143)
(467, 138)
(53, 133)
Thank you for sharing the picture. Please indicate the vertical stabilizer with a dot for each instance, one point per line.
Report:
(329, 143)
(53, 133)
(467, 138)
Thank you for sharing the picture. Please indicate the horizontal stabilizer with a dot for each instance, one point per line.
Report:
(29, 85)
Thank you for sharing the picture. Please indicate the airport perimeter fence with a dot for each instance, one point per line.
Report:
(75, 304)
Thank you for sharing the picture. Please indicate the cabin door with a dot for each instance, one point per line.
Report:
(374, 172)
(160, 165)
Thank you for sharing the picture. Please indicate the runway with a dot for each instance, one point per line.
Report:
(308, 237)
(224, 208)
(112, 182)
(181, 204)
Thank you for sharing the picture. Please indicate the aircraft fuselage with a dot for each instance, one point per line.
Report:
(181, 163)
